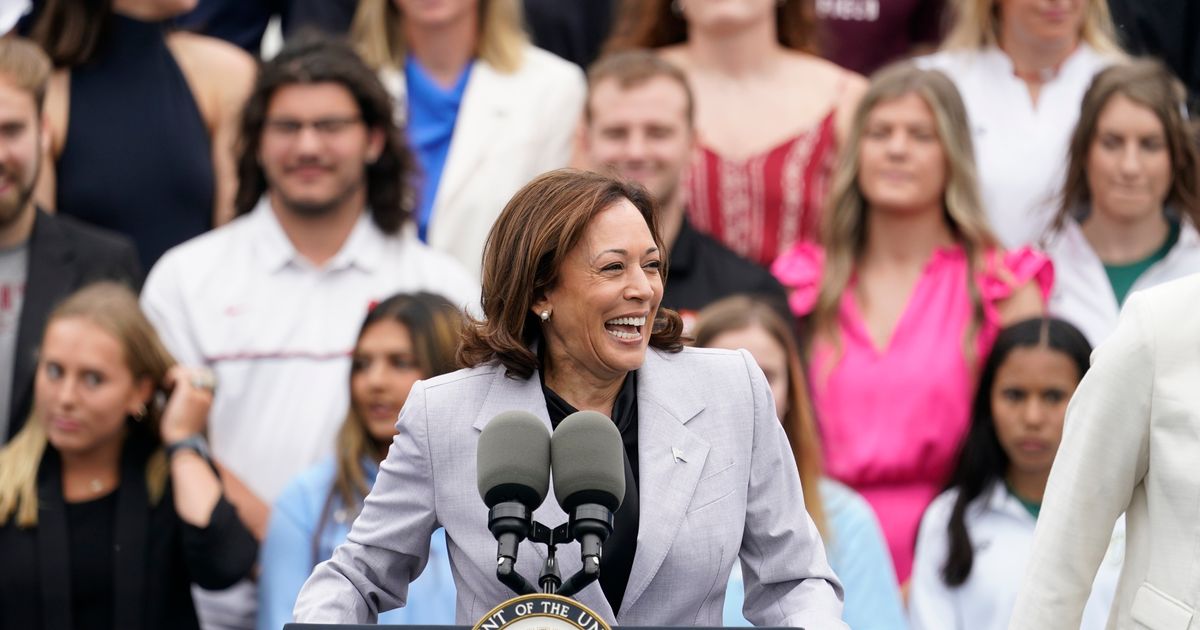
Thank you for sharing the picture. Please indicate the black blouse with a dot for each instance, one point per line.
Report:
(621, 545)
(153, 559)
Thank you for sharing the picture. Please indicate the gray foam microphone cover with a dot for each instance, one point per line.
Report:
(512, 460)
(588, 458)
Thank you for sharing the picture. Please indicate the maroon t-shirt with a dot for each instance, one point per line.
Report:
(864, 35)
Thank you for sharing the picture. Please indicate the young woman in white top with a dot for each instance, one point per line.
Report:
(484, 110)
(1131, 201)
(975, 538)
(1022, 67)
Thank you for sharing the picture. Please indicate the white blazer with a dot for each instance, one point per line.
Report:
(1001, 532)
(511, 127)
(1131, 444)
(717, 483)
(1082, 293)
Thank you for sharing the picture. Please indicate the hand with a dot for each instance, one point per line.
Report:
(186, 412)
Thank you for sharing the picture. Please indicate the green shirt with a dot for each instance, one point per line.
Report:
(1122, 277)
(1033, 507)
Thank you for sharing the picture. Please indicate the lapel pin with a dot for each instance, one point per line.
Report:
(677, 454)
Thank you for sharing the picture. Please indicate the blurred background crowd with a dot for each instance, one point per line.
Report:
(919, 216)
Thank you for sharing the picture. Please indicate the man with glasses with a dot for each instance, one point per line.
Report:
(272, 301)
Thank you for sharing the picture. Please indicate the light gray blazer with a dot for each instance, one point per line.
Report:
(733, 491)
(1131, 444)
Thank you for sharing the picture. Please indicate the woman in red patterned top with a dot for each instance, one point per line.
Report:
(768, 111)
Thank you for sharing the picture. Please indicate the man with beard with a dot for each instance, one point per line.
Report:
(639, 126)
(43, 258)
(272, 301)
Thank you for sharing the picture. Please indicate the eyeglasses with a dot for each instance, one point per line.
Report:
(325, 127)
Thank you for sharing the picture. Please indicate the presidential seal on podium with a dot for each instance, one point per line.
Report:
(541, 611)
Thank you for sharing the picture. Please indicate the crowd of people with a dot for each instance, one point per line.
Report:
(851, 257)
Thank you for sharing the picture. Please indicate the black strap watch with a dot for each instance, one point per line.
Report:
(195, 443)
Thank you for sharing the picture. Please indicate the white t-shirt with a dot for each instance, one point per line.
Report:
(1020, 148)
(1082, 292)
(1001, 532)
(279, 331)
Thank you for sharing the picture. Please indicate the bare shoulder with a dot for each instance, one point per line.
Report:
(822, 74)
(216, 68)
(210, 55)
(676, 55)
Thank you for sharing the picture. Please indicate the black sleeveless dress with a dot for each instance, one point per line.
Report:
(137, 157)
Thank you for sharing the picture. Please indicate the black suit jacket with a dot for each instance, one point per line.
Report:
(156, 555)
(64, 255)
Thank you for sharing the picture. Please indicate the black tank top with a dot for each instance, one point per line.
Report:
(137, 157)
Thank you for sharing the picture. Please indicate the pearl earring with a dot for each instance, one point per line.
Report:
(545, 316)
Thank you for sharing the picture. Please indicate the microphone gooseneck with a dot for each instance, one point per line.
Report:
(512, 475)
(588, 458)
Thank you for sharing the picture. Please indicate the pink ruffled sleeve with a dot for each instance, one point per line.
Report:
(800, 272)
(1008, 271)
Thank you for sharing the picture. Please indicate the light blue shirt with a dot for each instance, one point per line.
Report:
(859, 556)
(286, 557)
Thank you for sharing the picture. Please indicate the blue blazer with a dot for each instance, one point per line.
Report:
(717, 483)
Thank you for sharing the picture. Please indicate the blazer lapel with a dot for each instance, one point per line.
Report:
(50, 276)
(670, 458)
(129, 561)
(54, 567)
(517, 394)
(487, 103)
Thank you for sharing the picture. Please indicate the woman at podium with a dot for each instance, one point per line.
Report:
(572, 282)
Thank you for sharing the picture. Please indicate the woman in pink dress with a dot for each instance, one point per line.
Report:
(769, 114)
(904, 299)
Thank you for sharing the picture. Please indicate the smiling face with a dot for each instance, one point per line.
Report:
(902, 165)
(1029, 402)
(84, 389)
(1036, 24)
(315, 149)
(21, 145)
(768, 354)
(1128, 163)
(435, 13)
(606, 297)
(726, 15)
(641, 133)
(383, 370)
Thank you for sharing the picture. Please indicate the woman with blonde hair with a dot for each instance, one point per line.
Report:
(904, 298)
(770, 114)
(853, 539)
(109, 506)
(1022, 67)
(404, 338)
(485, 110)
(1131, 201)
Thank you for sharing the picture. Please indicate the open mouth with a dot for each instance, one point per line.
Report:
(626, 328)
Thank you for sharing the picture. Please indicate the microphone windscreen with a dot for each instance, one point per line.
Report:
(512, 460)
(588, 458)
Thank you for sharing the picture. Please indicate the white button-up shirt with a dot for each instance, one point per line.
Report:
(1020, 147)
(1083, 294)
(1001, 532)
(279, 331)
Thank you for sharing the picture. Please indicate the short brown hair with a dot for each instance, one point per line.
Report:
(524, 252)
(658, 23)
(24, 64)
(631, 68)
(1150, 84)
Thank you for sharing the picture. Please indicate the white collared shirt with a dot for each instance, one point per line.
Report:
(1083, 294)
(1020, 148)
(1001, 532)
(278, 331)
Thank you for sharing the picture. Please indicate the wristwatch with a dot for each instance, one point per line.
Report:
(195, 443)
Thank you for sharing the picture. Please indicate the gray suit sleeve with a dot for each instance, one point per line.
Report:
(788, 579)
(389, 543)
